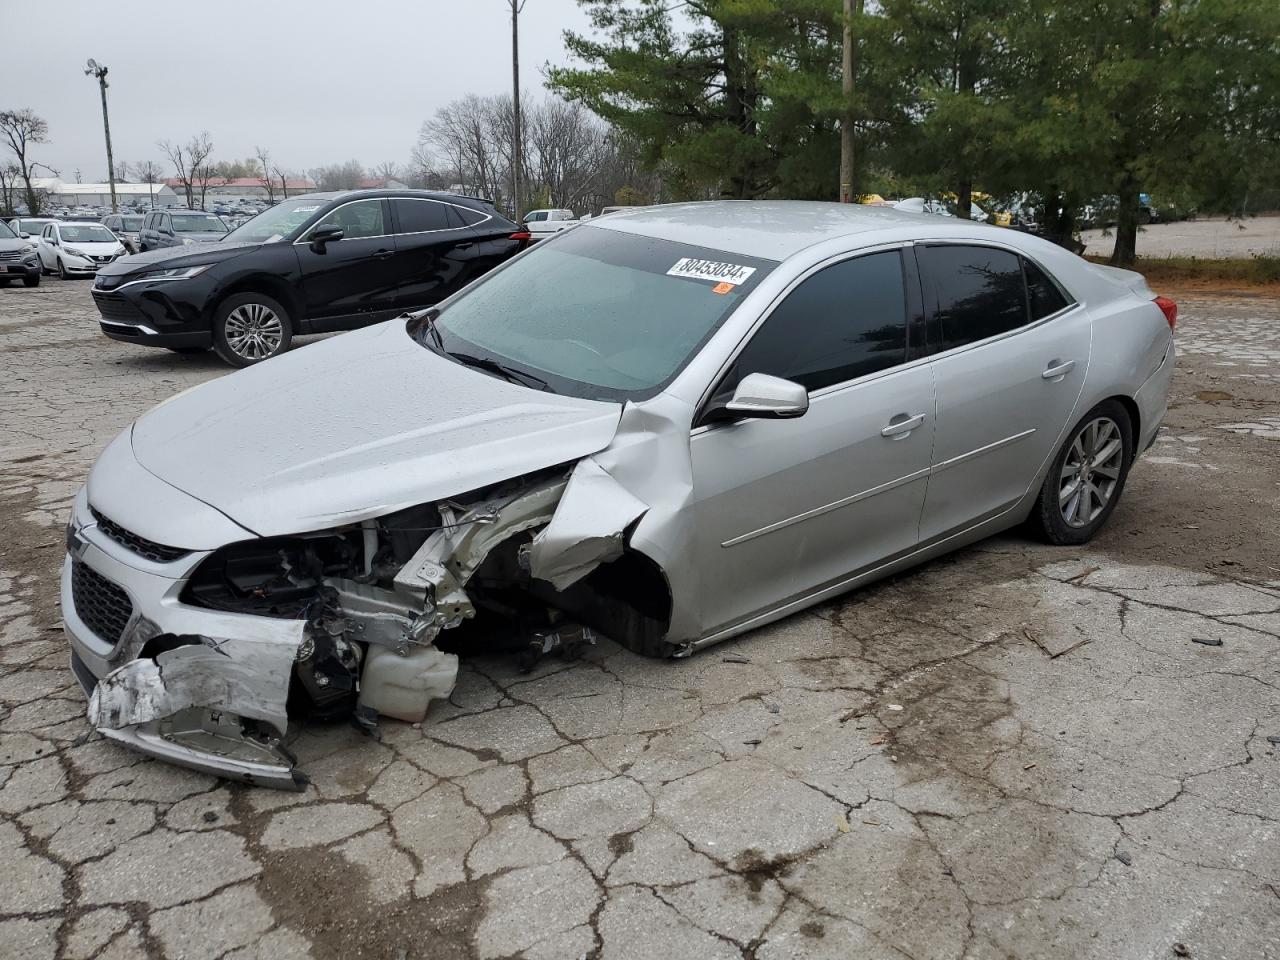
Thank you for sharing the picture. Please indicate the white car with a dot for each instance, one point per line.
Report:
(543, 223)
(78, 248)
(921, 205)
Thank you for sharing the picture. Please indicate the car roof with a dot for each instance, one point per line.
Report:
(370, 194)
(777, 229)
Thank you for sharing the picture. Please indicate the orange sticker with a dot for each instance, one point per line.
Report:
(722, 287)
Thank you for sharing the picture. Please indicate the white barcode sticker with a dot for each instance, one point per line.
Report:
(731, 273)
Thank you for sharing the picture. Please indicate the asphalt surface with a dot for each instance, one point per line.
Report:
(1016, 751)
(1203, 238)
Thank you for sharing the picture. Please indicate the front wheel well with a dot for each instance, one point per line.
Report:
(273, 287)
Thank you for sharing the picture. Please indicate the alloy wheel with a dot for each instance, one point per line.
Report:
(254, 331)
(1090, 472)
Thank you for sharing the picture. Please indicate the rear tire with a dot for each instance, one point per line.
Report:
(31, 281)
(4, 282)
(1087, 477)
(249, 328)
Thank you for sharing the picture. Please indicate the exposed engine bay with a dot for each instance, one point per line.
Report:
(367, 619)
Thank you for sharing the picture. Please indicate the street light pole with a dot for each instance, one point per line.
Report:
(95, 69)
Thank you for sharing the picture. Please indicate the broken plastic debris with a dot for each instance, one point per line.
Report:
(895, 706)
(735, 658)
(1124, 858)
(1207, 641)
(842, 823)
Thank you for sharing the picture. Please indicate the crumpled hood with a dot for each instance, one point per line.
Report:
(357, 426)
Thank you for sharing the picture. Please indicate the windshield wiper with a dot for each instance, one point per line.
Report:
(511, 374)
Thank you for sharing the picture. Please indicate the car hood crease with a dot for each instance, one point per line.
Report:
(358, 426)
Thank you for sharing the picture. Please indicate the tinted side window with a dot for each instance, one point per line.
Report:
(1045, 297)
(418, 216)
(979, 292)
(845, 321)
(360, 219)
(468, 216)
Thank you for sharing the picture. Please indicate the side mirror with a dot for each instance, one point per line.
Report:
(760, 396)
(325, 233)
(24, 236)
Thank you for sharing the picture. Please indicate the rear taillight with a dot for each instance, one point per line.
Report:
(1169, 309)
(521, 235)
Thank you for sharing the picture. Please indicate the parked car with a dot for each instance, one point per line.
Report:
(73, 248)
(179, 228)
(543, 223)
(126, 227)
(310, 264)
(627, 426)
(921, 205)
(29, 228)
(19, 259)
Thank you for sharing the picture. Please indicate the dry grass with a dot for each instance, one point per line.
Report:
(1253, 274)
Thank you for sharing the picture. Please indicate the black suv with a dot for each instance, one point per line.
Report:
(310, 264)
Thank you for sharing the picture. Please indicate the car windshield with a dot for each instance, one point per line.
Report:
(596, 313)
(276, 223)
(6, 233)
(86, 233)
(197, 223)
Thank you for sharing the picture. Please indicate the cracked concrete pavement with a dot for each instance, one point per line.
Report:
(1015, 751)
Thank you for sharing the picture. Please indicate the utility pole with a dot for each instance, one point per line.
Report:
(95, 69)
(852, 9)
(516, 139)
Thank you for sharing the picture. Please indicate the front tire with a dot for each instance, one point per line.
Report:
(32, 281)
(1087, 476)
(62, 270)
(249, 328)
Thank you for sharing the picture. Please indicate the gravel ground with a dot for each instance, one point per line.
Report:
(1015, 751)
(1256, 236)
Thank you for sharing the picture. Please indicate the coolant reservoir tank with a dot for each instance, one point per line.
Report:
(404, 686)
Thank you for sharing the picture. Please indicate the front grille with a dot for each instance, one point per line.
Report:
(104, 607)
(11, 254)
(118, 308)
(143, 547)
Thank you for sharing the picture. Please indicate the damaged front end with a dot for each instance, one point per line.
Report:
(347, 622)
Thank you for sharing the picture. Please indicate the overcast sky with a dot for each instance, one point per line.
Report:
(314, 81)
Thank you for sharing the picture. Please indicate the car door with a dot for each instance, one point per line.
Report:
(349, 282)
(434, 251)
(1011, 362)
(785, 507)
(46, 247)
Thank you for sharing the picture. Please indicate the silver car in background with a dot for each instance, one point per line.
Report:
(669, 426)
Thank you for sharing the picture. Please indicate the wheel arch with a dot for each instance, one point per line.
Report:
(274, 287)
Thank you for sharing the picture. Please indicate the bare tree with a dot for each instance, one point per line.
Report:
(339, 176)
(387, 170)
(148, 172)
(263, 156)
(9, 177)
(206, 176)
(22, 128)
(187, 160)
(284, 181)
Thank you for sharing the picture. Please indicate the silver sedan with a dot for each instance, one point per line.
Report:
(667, 426)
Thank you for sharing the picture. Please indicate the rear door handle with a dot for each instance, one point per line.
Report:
(901, 425)
(384, 254)
(1057, 370)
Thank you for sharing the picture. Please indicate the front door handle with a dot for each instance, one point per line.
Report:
(384, 254)
(901, 425)
(1058, 369)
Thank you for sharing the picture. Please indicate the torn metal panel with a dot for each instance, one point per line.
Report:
(249, 678)
(588, 528)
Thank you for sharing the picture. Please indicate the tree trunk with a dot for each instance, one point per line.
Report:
(848, 119)
(964, 198)
(1126, 248)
